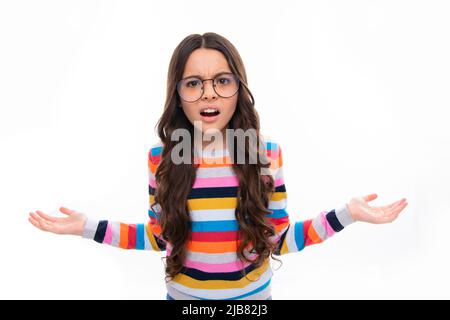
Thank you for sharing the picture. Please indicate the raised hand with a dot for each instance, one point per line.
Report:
(73, 223)
(360, 210)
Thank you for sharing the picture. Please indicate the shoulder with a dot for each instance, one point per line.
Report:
(154, 155)
(155, 149)
(272, 148)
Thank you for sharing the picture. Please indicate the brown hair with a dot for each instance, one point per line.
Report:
(254, 188)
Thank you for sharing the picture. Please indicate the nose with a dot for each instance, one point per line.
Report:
(208, 90)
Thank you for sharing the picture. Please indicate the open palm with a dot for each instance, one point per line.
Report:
(73, 223)
(360, 210)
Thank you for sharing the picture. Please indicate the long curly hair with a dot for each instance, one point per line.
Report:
(254, 190)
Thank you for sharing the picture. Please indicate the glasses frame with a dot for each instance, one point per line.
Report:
(214, 85)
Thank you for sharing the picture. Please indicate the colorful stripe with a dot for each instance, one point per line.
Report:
(212, 268)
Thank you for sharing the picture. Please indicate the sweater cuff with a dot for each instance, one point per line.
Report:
(343, 215)
(90, 228)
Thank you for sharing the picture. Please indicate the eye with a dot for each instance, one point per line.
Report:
(192, 83)
(223, 80)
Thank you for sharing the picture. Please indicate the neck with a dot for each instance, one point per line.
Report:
(215, 141)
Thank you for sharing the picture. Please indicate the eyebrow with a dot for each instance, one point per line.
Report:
(199, 76)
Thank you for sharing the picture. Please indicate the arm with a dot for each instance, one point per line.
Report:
(293, 236)
(126, 236)
(131, 236)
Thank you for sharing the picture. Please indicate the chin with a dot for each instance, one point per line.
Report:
(214, 129)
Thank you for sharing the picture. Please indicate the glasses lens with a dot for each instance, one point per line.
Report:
(226, 85)
(191, 89)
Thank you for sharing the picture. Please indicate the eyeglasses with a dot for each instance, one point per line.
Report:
(191, 89)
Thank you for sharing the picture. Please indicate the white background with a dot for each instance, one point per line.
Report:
(355, 92)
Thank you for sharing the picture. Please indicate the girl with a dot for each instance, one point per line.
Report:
(218, 215)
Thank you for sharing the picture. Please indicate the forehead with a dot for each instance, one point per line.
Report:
(205, 62)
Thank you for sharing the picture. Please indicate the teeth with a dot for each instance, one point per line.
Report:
(210, 110)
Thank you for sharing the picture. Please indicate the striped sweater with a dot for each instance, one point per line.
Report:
(212, 267)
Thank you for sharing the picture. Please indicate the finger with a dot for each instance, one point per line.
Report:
(393, 216)
(45, 226)
(397, 207)
(400, 207)
(34, 216)
(34, 222)
(397, 203)
(387, 210)
(386, 218)
(370, 197)
(389, 206)
(395, 212)
(66, 210)
(45, 216)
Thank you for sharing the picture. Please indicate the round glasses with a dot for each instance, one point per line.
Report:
(191, 89)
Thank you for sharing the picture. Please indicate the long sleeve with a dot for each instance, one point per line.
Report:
(293, 236)
(141, 236)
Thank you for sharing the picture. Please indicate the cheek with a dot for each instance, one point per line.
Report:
(230, 108)
(190, 112)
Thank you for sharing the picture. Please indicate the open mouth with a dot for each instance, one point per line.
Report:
(209, 112)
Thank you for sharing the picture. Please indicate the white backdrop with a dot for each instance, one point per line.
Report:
(355, 92)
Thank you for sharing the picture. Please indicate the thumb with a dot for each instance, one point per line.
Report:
(370, 197)
(66, 210)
